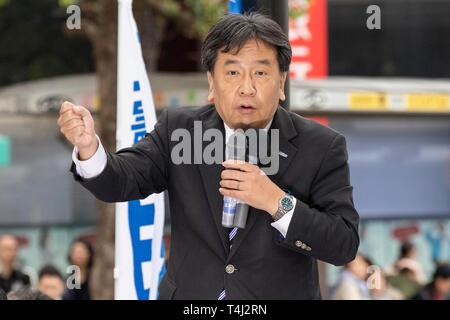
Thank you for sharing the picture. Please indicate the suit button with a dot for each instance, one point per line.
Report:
(308, 248)
(230, 269)
(304, 246)
(298, 243)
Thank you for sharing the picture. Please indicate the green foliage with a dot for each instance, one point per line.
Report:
(205, 13)
(298, 8)
(4, 3)
(170, 9)
(193, 17)
(34, 44)
(66, 3)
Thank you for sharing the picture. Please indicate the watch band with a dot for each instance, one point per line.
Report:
(281, 212)
(278, 215)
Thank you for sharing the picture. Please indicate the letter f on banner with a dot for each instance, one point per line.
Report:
(139, 264)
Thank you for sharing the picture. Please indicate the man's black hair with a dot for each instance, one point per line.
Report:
(49, 271)
(442, 271)
(406, 248)
(231, 32)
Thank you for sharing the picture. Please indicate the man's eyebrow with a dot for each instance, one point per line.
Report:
(264, 62)
(230, 61)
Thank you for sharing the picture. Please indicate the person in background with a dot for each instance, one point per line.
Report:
(81, 254)
(3, 295)
(383, 290)
(405, 282)
(51, 282)
(27, 293)
(439, 288)
(408, 253)
(352, 283)
(11, 278)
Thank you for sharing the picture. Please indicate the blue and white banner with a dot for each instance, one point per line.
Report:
(139, 264)
(234, 6)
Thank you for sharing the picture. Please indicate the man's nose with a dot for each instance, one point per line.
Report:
(247, 87)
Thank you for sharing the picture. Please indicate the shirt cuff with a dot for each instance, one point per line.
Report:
(282, 224)
(93, 166)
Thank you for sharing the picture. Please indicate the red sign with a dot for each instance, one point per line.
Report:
(322, 120)
(309, 38)
(404, 233)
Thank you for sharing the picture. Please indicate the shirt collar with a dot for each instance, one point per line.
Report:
(229, 131)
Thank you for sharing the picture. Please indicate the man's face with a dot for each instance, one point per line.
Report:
(52, 286)
(247, 86)
(8, 249)
(443, 285)
(79, 255)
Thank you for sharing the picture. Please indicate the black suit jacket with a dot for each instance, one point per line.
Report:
(267, 266)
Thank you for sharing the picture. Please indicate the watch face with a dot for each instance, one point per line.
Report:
(286, 203)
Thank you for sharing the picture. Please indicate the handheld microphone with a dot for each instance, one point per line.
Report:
(234, 212)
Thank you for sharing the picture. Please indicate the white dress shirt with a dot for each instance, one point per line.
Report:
(92, 167)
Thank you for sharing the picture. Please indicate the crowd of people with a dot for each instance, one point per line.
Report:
(16, 282)
(360, 279)
(405, 279)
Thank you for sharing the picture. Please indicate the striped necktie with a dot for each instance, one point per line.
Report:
(232, 234)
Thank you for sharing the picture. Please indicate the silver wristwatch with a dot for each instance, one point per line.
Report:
(285, 204)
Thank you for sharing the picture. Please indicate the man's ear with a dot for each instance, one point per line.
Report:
(211, 87)
(282, 82)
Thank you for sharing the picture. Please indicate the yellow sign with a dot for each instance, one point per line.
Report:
(368, 101)
(427, 102)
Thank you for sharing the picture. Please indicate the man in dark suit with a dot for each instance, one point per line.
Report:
(302, 213)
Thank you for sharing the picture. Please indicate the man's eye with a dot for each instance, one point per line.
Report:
(232, 73)
(261, 73)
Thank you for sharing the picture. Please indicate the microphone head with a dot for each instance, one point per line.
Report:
(258, 147)
(252, 146)
(236, 146)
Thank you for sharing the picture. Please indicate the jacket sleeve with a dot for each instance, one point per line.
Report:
(327, 227)
(135, 172)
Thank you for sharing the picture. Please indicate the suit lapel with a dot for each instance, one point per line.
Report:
(210, 175)
(287, 150)
(287, 131)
